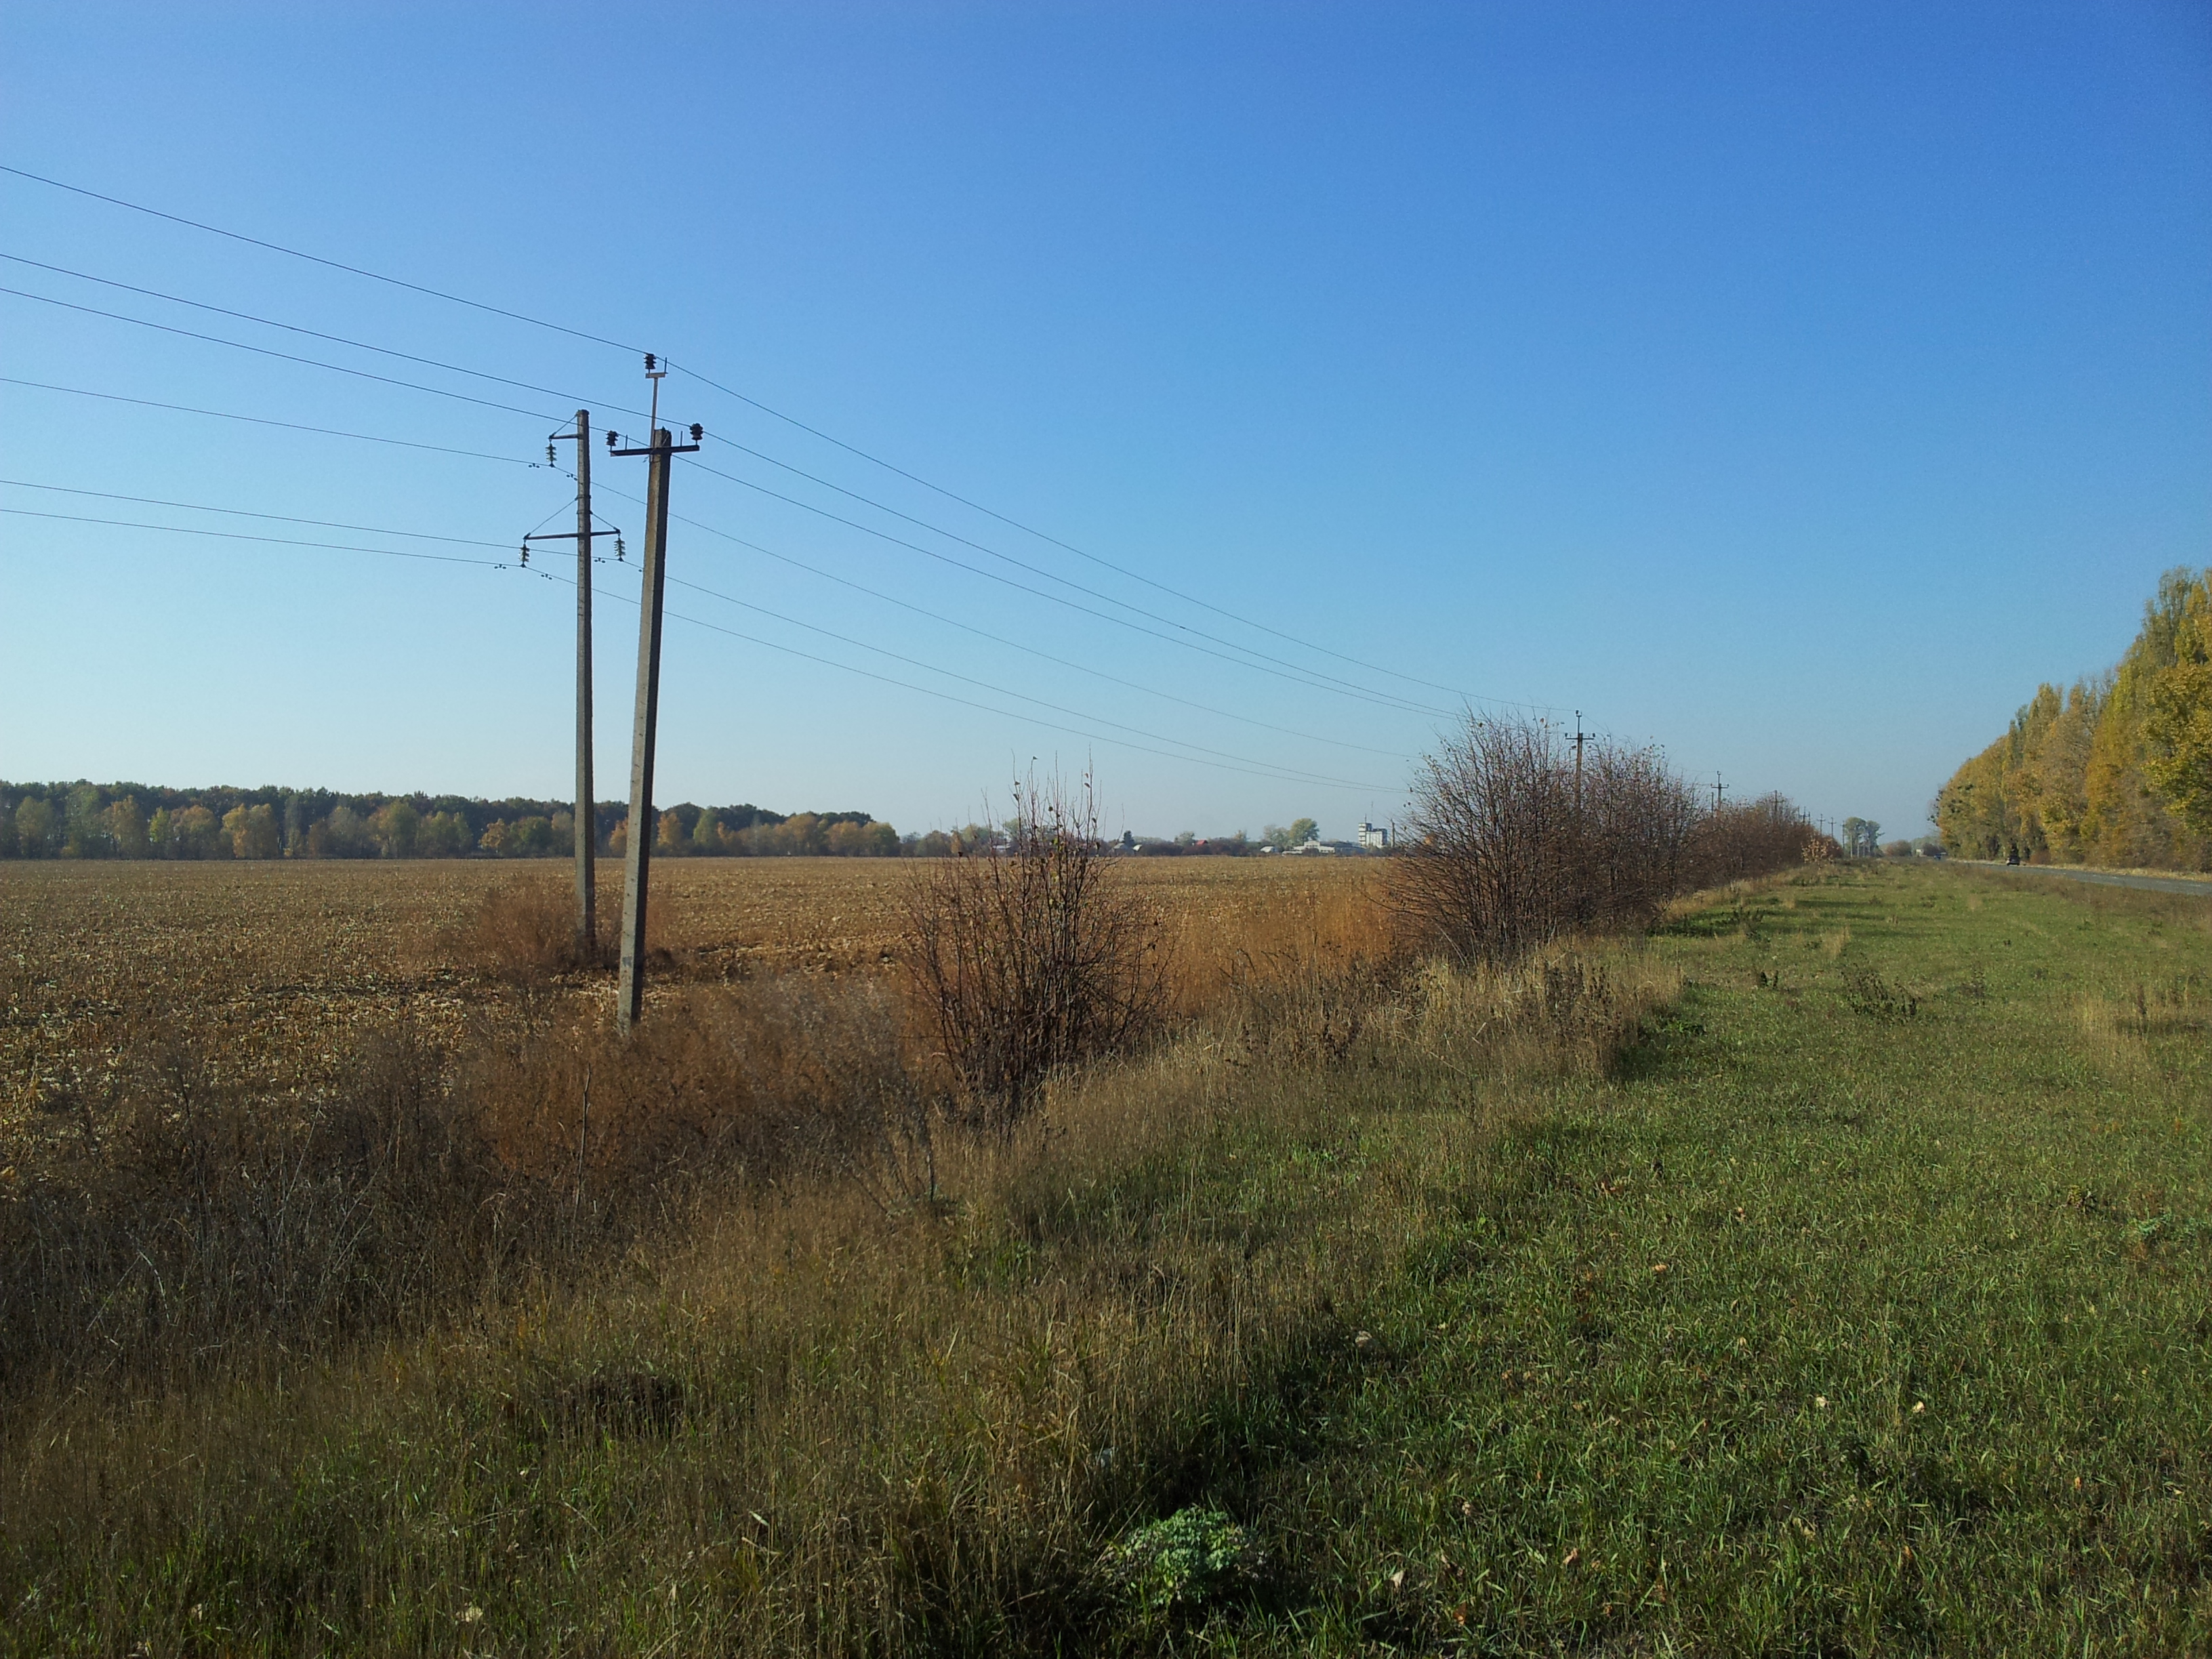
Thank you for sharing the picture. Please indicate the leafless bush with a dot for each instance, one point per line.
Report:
(1754, 839)
(1638, 822)
(525, 930)
(1030, 958)
(1515, 844)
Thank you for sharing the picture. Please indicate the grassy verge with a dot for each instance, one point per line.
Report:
(1864, 1306)
(1869, 1314)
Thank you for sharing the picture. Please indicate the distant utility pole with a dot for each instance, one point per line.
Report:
(1719, 790)
(587, 812)
(637, 850)
(1579, 736)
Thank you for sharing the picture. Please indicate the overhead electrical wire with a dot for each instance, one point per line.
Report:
(1029, 650)
(968, 702)
(316, 258)
(312, 333)
(240, 536)
(746, 449)
(287, 356)
(1043, 536)
(262, 420)
(1286, 773)
(1275, 774)
(695, 523)
(1019, 565)
(760, 455)
(996, 638)
(1382, 698)
(712, 529)
(754, 403)
(1314, 679)
(1291, 773)
(246, 513)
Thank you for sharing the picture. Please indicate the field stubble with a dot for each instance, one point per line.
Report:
(278, 971)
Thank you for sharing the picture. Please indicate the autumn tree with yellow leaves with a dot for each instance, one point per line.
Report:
(2116, 771)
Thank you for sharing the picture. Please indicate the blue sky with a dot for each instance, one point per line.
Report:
(1795, 385)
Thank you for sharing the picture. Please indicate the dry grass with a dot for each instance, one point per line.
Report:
(1572, 1010)
(936, 1369)
(837, 1412)
(161, 1223)
(2144, 1010)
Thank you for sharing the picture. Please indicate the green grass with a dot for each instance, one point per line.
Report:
(1868, 1309)
(1926, 1368)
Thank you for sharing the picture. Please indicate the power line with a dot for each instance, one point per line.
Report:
(312, 333)
(1043, 536)
(990, 552)
(712, 529)
(261, 420)
(316, 258)
(1295, 678)
(287, 356)
(433, 362)
(1245, 762)
(1013, 645)
(970, 702)
(1030, 650)
(270, 322)
(1291, 773)
(1038, 570)
(1308, 676)
(244, 513)
(755, 403)
(240, 536)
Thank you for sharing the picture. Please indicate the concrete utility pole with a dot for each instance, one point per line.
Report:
(1579, 736)
(637, 851)
(587, 811)
(588, 815)
(1719, 790)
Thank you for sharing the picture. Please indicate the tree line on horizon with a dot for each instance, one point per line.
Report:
(2117, 769)
(85, 820)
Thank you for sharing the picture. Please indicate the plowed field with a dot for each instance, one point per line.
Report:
(276, 969)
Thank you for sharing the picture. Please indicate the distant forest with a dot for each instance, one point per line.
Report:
(2116, 769)
(85, 820)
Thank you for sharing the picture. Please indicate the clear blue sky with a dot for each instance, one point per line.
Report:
(1794, 385)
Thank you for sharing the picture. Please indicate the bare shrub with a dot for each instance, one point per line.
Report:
(1756, 838)
(1637, 819)
(1031, 959)
(525, 930)
(1515, 844)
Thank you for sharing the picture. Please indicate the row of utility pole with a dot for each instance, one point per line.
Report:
(659, 452)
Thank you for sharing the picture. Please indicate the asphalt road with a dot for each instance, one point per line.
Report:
(2112, 879)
